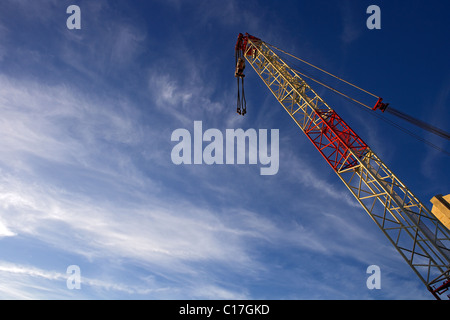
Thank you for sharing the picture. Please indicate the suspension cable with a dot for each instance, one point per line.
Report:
(391, 110)
(419, 123)
(332, 89)
(412, 134)
(324, 71)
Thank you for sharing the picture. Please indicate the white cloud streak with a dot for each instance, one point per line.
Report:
(57, 127)
(351, 31)
(68, 179)
(20, 281)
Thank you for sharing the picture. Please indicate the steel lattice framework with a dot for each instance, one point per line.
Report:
(416, 233)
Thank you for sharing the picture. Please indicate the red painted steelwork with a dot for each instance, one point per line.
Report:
(334, 139)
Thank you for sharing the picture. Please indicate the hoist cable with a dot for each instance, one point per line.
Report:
(238, 97)
(244, 102)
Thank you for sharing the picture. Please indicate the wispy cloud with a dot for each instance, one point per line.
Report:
(351, 30)
(303, 173)
(86, 173)
(21, 281)
(4, 231)
(65, 194)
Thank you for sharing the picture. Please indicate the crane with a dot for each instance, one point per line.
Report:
(418, 235)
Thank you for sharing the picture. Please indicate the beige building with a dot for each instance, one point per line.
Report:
(441, 209)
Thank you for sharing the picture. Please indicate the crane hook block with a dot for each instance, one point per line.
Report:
(380, 105)
(242, 49)
(240, 66)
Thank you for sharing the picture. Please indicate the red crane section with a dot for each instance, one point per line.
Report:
(334, 139)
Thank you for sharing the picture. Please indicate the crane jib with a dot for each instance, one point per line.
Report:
(417, 234)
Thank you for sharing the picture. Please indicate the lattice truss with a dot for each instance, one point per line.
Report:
(416, 233)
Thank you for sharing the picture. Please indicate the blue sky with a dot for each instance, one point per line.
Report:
(86, 176)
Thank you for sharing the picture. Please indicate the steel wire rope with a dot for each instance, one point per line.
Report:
(369, 109)
(412, 134)
(324, 71)
(421, 124)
